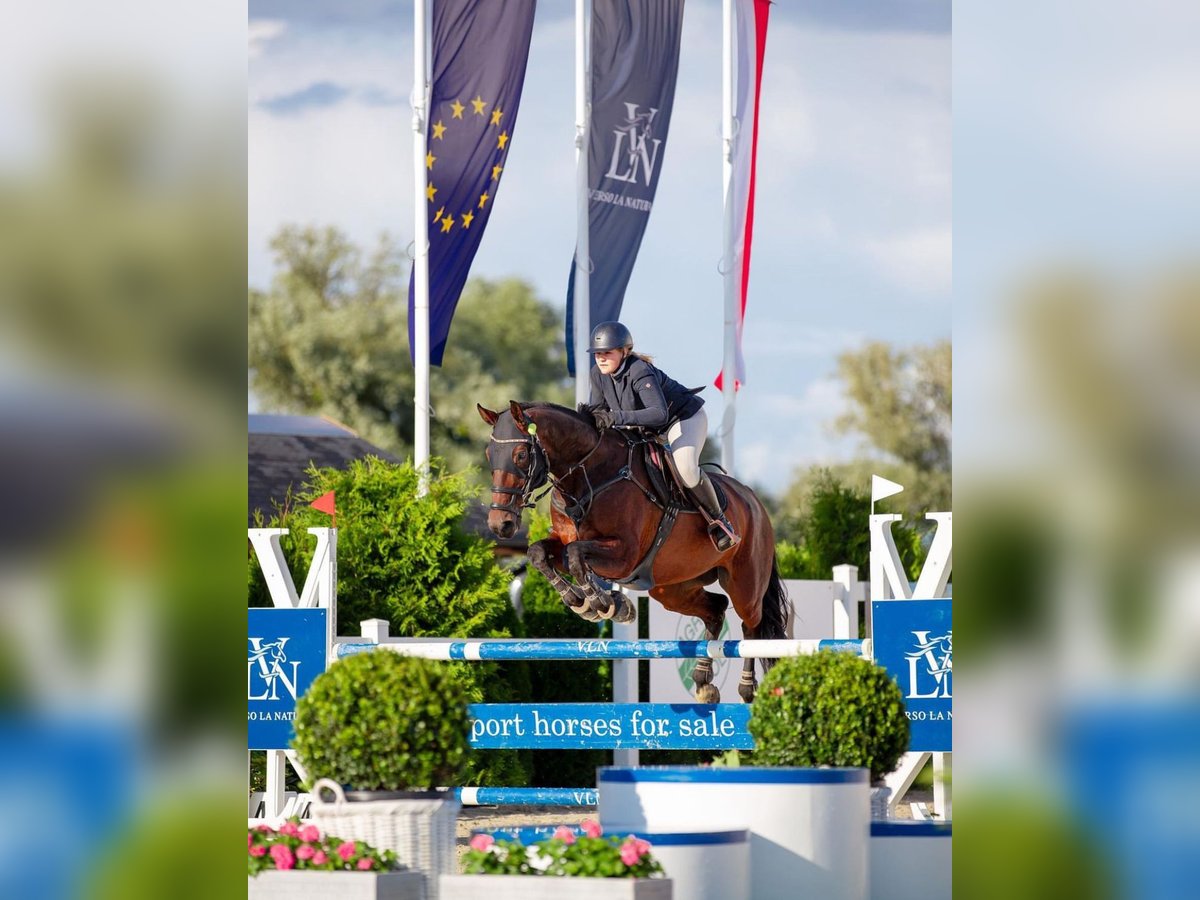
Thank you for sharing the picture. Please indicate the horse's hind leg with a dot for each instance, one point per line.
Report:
(691, 599)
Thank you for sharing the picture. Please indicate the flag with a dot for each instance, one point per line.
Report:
(881, 488)
(750, 31)
(635, 59)
(479, 51)
(325, 503)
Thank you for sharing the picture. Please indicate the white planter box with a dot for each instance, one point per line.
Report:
(304, 885)
(549, 887)
(809, 828)
(910, 860)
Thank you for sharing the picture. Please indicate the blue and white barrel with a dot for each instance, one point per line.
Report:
(910, 860)
(808, 828)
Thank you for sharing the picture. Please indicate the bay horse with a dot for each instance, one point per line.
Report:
(605, 520)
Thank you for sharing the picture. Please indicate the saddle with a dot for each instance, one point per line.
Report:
(664, 476)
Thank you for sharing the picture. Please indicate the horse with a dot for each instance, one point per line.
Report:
(607, 520)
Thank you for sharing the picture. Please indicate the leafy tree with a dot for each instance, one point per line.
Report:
(833, 532)
(901, 401)
(331, 337)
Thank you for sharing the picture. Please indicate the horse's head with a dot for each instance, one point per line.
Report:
(518, 466)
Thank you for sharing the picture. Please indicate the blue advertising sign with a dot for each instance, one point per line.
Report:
(285, 652)
(914, 641)
(611, 726)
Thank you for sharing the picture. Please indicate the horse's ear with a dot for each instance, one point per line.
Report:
(518, 414)
(487, 415)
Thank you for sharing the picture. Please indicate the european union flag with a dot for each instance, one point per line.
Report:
(480, 48)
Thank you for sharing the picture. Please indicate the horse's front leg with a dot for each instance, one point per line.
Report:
(547, 557)
(582, 557)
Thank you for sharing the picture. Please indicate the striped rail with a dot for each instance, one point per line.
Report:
(518, 649)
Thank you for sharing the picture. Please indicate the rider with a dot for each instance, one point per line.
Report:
(627, 389)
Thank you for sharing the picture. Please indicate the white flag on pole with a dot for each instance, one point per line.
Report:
(881, 488)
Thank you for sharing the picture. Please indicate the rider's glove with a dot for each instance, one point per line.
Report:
(604, 418)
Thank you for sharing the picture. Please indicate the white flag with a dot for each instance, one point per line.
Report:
(881, 488)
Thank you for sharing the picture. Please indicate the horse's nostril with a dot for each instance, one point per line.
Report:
(507, 529)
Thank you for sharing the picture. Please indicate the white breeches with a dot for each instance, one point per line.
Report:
(687, 439)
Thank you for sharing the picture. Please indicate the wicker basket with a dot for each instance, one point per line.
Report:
(420, 831)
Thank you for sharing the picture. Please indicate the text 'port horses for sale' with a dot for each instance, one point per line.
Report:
(608, 520)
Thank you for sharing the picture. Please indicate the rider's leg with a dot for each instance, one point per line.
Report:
(687, 440)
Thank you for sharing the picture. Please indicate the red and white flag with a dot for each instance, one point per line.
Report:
(750, 36)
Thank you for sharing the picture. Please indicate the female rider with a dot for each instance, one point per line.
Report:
(627, 389)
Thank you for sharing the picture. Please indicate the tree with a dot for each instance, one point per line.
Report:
(331, 337)
(901, 401)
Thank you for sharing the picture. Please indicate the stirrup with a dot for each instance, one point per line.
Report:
(722, 534)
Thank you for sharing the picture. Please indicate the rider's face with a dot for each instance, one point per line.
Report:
(607, 361)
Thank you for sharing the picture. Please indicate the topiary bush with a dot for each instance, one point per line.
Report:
(379, 721)
(829, 709)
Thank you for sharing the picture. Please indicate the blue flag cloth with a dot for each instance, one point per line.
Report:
(480, 48)
(635, 59)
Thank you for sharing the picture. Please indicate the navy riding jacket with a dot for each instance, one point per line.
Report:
(639, 393)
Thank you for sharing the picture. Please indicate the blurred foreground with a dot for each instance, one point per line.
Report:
(122, 443)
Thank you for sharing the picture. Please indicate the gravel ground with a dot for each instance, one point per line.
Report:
(473, 817)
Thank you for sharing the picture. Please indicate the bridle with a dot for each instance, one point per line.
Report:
(539, 474)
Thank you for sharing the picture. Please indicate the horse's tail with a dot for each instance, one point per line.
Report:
(776, 607)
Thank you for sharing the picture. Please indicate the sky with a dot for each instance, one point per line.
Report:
(852, 237)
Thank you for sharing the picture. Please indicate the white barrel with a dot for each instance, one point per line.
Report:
(910, 860)
(702, 865)
(808, 827)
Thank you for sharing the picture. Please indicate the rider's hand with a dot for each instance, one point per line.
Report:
(585, 409)
(604, 418)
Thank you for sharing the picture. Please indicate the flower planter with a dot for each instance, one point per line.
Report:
(809, 827)
(420, 831)
(535, 887)
(277, 885)
(910, 860)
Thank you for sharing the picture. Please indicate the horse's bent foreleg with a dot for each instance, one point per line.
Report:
(543, 556)
(580, 557)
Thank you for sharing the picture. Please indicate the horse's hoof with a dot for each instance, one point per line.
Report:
(707, 693)
(747, 692)
(625, 610)
(702, 673)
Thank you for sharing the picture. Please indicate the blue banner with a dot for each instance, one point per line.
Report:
(611, 726)
(635, 59)
(285, 652)
(914, 641)
(479, 53)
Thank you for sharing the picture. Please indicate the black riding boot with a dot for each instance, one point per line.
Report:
(722, 533)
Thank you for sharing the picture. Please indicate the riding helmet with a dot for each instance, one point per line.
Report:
(610, 336)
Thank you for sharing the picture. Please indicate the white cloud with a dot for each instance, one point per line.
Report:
(920, 261)
(261, 32)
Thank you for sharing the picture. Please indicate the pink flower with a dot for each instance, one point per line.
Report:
(591, 828)
(282, 854)
(319, 858)
(564, 834)
(289, 828)
(346, 850)
(249, 840)
(643, 847)
(258, 850)
(482, 842)
(778, 692)
(305, 851)
(629, 853)
(310, 833)
(263, 828)
(365, 863)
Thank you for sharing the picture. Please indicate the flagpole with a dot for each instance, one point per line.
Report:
(583, 258)
(420, 97)
(731, 278)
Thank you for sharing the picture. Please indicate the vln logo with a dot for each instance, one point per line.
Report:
(935, 674)
(267, 663)
(635, 146)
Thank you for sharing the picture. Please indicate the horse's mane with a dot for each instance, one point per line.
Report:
(574, 414)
